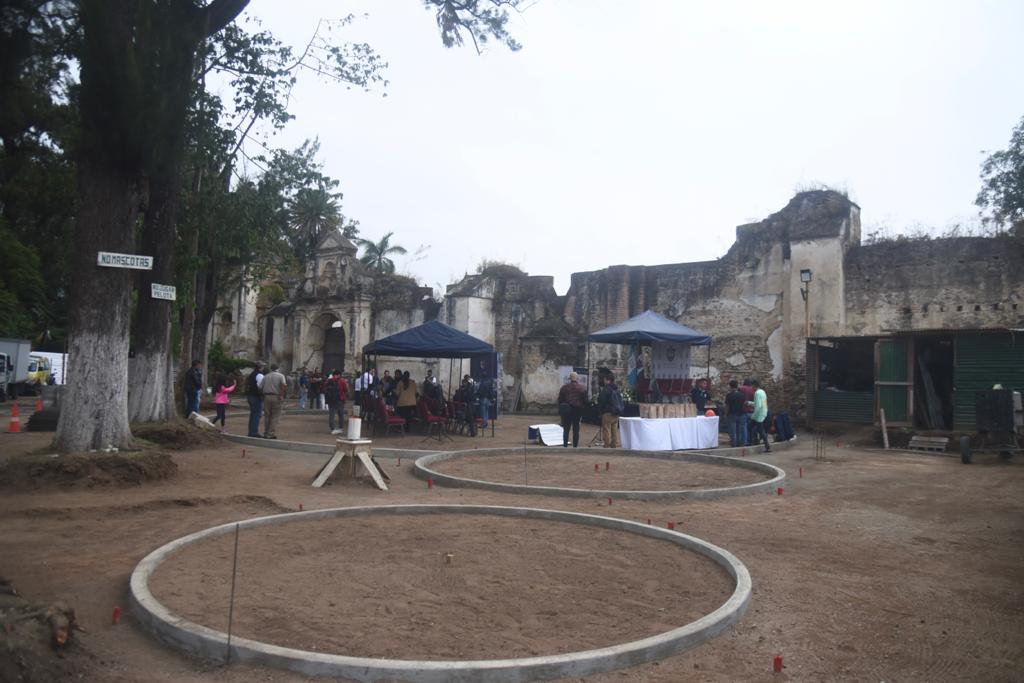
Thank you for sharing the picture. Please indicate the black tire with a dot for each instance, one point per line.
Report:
(965, 450)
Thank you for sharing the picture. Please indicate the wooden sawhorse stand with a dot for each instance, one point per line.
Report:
(351, 456)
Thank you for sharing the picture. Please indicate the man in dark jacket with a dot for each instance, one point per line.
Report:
(193, 387)
(736, 415)
(609, 407)
(571, 398)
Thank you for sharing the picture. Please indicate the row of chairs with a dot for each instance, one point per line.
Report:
(444, 418)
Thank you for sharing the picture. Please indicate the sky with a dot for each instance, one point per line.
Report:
(643, 132)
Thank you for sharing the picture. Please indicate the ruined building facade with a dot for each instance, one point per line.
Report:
(891, 325)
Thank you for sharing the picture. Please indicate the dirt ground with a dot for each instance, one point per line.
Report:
(872, 567)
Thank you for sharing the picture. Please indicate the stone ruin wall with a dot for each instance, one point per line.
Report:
(957, 283)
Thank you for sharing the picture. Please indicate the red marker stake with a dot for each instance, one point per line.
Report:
(300, 507)
(607, 466)
(596, 468)
(609, 501)
(671, 525)
(801, 472)
(777, 664)
(430, 483)
(779, 490)
(648, 521)
(243, 452)
(117, 615)
(744, 452)
(399, 462)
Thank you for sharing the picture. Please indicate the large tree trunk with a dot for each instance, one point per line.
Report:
(94, 411)
(150, 376)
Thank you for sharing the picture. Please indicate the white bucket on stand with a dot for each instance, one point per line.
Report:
(355, 428)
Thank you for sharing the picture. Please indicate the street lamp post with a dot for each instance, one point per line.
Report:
(805, 291)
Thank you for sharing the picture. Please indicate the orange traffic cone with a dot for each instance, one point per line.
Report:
(15, 426)
(39, 404)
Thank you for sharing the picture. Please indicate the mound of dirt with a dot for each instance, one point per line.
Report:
(175, 436)
(38, 641)
(100, 469)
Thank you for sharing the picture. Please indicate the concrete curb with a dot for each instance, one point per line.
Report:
(777, 477)
(207, 643)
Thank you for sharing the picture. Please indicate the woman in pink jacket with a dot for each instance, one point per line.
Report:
(221, 400)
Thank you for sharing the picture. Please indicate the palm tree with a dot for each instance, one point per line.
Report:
(375, 254)
(311, 213)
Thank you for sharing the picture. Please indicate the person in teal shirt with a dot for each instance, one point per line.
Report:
(759, 417)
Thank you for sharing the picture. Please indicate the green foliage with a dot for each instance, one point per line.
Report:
(481, 19)
(499, 268)
(375, 254)
(1002, 188)
(220, 362)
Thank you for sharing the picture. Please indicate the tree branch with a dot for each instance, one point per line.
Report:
(220, 13)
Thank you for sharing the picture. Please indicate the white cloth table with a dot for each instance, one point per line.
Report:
(669, 433)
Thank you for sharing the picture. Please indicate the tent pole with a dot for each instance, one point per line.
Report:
(451, 364)
(708, 373)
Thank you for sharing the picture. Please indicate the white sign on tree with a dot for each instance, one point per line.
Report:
(163, 291)
(113, 260)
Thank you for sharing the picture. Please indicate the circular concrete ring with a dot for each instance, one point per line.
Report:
(210, 644)
(776, 476)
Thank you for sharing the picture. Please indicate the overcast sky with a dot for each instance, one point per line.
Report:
(645, 132)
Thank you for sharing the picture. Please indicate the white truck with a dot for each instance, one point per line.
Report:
(14, 355)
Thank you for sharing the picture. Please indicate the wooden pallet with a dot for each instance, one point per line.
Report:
(934, 444)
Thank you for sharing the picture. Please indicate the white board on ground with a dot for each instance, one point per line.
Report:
(550, 434)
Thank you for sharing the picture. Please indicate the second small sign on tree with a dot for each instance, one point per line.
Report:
(163, 291)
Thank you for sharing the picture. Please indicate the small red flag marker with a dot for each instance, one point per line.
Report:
(300, 507)
(671, 525)
(430, 483)
(648, 521)
(777, 664)
(801, 472)
(243, 452)
(607, 466)
(609, 501)
(596, 467)
(116, 616)
(779, 490)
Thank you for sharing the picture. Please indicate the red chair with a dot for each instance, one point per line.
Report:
(387, 420)
(431, 420)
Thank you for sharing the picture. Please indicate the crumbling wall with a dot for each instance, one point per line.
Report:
(957, 283)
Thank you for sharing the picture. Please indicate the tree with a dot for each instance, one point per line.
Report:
(136, 69)
(138, 65)
(375, 254)
(1002, 188)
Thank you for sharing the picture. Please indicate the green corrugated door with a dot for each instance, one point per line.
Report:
(981, 361)
(893, 379)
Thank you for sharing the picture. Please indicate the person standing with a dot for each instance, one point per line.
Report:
(571, 398)
(193, 387)
(700, 395)
(407, 396)
(221, 399)
(609, 407)
(748, 397)
(336, 393)
(253, 394)
(759, 417)
(303, 388)
(487, 396)
(274, 386)
(736, 415)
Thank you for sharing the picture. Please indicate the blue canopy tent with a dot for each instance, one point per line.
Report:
(647, 328)
(432, 339)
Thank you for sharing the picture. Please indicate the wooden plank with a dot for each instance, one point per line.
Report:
(371, 468)
(328, 469)
(885, 432)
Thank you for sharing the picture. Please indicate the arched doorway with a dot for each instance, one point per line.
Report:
(334, 347)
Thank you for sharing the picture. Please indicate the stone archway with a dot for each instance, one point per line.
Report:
(334, 347)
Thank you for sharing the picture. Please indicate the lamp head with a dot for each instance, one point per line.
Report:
(805, 275)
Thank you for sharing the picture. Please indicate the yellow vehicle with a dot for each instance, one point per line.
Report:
(38, 373)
